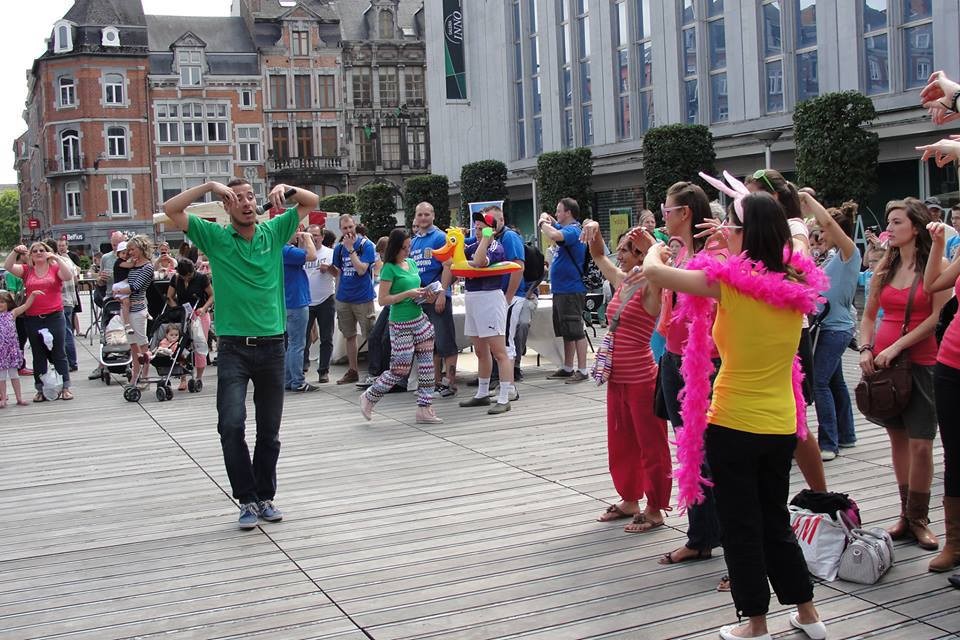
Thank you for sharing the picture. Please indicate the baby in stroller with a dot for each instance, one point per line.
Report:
(171, 353)
(169, 344)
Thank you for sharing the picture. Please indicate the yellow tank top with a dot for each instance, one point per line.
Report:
(753, 391)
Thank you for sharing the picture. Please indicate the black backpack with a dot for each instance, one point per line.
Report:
(589, 272)
(533, 269)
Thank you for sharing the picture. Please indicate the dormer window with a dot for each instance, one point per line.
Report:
(110, 37)
(387, 31)
(62, 37)
(190, 63)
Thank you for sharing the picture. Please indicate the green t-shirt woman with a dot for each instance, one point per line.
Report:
(402, 277)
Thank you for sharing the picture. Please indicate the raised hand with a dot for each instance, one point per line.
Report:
(937, 232)
(943, 152)
(226, 193)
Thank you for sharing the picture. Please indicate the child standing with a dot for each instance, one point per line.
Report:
(10, 355)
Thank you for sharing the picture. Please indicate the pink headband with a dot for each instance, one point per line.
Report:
(737, 190)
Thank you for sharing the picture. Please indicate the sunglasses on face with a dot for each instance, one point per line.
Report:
(666, 211)
(761, 174)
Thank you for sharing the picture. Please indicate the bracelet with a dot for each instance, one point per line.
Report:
(953, 100)
(865, 347)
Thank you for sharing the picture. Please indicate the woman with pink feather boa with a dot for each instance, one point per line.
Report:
(757, 410)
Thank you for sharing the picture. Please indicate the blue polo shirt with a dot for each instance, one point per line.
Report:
(565, 273)
(296, 285)
(512, 251)
(354, 288)
(430, 268)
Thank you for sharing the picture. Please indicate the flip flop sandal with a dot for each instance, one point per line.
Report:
(724, 586)
(702, 554)
(615, 513)
(641, 519)
(39, 397)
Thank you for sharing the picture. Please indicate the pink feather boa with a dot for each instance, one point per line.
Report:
(751, 279)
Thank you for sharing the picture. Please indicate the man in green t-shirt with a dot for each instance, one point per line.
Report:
(251, 319)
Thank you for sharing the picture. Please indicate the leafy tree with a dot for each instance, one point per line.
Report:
(836, 154)
(377, 206)
(674, 153)
(565, 174)
(481, 181)
(345, 203)
(434, 189)
(9, 219)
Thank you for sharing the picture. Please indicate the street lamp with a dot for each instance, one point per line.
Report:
(768, 138)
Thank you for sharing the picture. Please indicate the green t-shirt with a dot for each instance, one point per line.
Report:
(248, 275)
(402, 280)
(13, 283)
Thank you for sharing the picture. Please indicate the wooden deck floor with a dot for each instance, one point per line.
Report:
(120, 525)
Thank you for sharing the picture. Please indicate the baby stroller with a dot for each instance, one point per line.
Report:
(114, 350)
(175, 362)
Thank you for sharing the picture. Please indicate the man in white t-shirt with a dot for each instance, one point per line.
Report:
(322, 302)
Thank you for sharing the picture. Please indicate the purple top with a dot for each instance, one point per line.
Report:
(495, 253)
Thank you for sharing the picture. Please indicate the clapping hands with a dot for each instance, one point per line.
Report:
(939, 98)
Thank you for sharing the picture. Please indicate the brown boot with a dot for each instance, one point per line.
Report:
(901, 529)
(949, 556)
(350, 376)
(917, 506)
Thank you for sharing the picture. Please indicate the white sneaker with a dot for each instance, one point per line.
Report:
(815, 630)
(727, 634)
(827, 456)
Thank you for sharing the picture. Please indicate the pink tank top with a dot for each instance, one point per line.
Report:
(632, 358)
(894, 304)
(949, 353)
(51, 301)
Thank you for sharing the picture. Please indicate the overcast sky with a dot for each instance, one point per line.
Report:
(22, 34)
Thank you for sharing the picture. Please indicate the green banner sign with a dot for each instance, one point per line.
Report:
(453, 50)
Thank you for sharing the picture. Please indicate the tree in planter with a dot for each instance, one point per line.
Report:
(434, 189)
(479, 182)
(674, 153)
(377, 206)
(836, 155)
(565, 174)
(344, 203)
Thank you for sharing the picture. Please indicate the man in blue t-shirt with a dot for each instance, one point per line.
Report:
(353, 261)
(296, 293)
(566, 283)
(426, 238)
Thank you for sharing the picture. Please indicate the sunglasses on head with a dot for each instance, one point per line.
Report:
(761, 174)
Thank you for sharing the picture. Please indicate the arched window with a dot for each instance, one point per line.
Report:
(113, 88)
(116, 142)
(68, 92)
(70, 150)
(72, 195)
(119, 197)
(62, 38)
(386, 25)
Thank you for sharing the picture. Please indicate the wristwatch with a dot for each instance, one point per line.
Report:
(865, 347)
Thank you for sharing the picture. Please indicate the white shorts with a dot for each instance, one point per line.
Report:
(9, 374)
(485, 314)
(138, 322)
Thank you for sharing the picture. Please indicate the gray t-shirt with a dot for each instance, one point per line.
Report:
(106, 267)
(843, 287)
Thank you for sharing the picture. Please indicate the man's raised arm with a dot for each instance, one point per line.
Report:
(175, 207)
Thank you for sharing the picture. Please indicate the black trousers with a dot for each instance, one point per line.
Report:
(751, 475)
(946, 387)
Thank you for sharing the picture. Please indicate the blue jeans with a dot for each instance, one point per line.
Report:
(70, 345)
(296, 339)
(237, 365)
(703, 533)
(832, 399)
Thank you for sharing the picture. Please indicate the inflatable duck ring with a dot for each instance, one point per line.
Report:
(461, 268)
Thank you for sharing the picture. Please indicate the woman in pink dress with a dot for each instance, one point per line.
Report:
(637, 447)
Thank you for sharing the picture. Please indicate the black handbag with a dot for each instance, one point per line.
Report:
(946, 317)
(885, 393)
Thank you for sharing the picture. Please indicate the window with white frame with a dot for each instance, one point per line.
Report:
(327, 92)
(68, 92)
(116, 142)
(417, 147)
(582, 21)
(300, 42)
(248, 143)
(110, 37)
(113, 89)
(71, 193)
(180, 174)
(415, 89)
(62, 37)
(216, 120)
(520, 118)
(917, 21)
(246, 99)
(536, 93)
(168, 123)
(390, 147)
(362, 86)
(808, 83)
(190, 64)
(771, 23)
(119, 197)
(566, 76)
(389, 87)
(192, 122)
(688, 65)
(70, 150)
(644, 47)
(717, 43)
(876, 46)
(621, 66)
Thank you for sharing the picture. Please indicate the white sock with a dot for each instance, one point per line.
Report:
(583, 371)
(47, 338)
(483, 387)
(568, 369)
(506, 388)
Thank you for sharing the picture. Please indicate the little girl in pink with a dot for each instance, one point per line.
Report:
(10, 355)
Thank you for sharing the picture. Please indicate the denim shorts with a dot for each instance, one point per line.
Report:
(445, 332)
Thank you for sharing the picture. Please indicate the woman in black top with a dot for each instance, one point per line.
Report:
(190, 287)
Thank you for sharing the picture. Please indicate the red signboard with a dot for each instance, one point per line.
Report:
(33, 223)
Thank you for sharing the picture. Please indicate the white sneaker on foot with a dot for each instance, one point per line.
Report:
(815, 630)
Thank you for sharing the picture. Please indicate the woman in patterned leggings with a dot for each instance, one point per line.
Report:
(411, 334)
